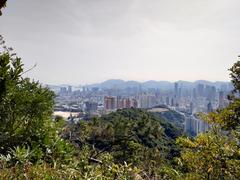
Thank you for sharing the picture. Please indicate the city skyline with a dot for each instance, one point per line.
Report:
(180, 97)
(84, 42)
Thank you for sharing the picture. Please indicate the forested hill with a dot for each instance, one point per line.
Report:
(172, 118)
(168, 120)
(129, 135)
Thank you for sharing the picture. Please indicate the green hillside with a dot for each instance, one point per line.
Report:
(128, 135)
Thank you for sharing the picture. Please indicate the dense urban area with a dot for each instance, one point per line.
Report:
(186, 98)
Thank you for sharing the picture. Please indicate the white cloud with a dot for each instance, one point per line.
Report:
(80, 41)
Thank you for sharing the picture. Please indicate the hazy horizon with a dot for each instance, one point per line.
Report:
(87, 84)
(85, 42)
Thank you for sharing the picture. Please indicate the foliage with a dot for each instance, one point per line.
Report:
(2, 5)
(24, 104)
(133, 136)
(27, 132)
(235, 75)
(215, 154)
(172, 123)
(172, 116)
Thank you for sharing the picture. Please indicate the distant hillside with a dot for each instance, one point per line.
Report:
(129, 134)
(168, 119)
(164, 85)
(172, 118)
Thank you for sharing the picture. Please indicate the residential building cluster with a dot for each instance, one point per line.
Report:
(113, 103)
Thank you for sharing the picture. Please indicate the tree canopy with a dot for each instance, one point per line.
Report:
(215, 154)
(2, 5)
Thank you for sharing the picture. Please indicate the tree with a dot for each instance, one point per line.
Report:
(212, 155)
(216, 154)
(235, 75)
(24, 104)
(2, 5)
(26, 109)
(229, 117)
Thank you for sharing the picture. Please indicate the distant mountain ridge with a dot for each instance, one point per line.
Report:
(164, 85)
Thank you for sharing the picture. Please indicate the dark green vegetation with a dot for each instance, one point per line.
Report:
(172, 121)
(2, 5)
(131, 135)
(173, 116)
(127, 144)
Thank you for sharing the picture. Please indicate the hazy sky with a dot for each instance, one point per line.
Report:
(86, 41)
